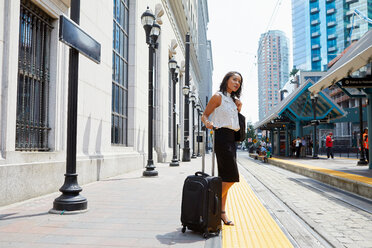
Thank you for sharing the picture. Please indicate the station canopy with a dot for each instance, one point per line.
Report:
(357, 56)
(298, 107)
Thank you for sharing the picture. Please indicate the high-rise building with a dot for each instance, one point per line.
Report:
(273, 71)
(322, 28)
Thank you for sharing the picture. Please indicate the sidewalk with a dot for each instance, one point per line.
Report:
(342, 173)
(124, 211)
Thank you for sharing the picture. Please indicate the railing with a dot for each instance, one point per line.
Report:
(33, 79)
(350, 152)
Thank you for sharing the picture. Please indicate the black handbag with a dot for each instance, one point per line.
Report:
(240, 134)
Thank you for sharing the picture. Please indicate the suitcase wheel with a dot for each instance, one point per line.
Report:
(183, 229)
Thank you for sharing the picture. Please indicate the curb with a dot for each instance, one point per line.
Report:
(353, 186)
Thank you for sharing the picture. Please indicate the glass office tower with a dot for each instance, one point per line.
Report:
(322, 29)
(273, 71)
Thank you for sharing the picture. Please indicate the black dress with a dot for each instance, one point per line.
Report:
(225, 148)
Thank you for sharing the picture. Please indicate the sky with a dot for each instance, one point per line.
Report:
(234, 29)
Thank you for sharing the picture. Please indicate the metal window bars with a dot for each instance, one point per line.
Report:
(32, 124)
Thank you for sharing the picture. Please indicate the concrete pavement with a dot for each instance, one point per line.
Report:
(124, 211)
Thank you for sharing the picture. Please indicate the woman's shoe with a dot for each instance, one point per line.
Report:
(229, 222)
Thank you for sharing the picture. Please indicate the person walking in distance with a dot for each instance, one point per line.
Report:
(329, 145)
(223, 108)
(365, 143)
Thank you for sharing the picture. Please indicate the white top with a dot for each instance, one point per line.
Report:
(226, 115)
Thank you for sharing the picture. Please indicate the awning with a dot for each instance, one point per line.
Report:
(297, 107)
(356, 57)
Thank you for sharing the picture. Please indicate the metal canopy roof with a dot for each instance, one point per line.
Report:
(297, 107)
(356, 57)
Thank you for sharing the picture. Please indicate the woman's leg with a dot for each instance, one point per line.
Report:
(225, 188)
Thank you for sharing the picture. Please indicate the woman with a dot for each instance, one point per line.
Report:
(224, 107)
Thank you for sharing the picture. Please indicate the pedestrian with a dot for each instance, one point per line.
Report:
(365, 143)
(223, 108)
(329, 145)
(298, 147)
(303, 147)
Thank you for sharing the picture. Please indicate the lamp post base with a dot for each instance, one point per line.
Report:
(193, 155)
(362, 162)
(174, 162)
(150, 169)
(68, 203)
(198, 155)
(150, 173)
(315, 157)
(70, 200)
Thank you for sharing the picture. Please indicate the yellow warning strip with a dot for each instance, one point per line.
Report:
(254, 226)
(354, 177)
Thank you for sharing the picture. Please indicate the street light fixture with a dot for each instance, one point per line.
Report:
(314, 100)
(186, 89)
(174, 69)
(152, 30)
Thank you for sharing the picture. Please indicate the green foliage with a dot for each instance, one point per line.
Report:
(250, 134)
(293, 72)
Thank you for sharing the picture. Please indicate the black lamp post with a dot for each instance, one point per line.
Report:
(186, 90)
(198, 110)
(206, 131)
(71, 200)
(152, 30)
(314, 100)
(362, 160)
(174, 68)
(192, 99)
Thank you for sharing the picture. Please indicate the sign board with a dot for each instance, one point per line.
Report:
(72, 35)
(356, 83)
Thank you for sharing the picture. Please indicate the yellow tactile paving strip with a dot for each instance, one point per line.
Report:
(354, 177)
(254, 226)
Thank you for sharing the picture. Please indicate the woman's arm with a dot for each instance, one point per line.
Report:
(211, 106)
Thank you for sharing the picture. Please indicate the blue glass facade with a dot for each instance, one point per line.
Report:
(327, 25)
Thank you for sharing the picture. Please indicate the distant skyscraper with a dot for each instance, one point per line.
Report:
(321, 30)
(273, 71)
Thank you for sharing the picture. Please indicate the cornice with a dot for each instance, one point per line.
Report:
(177, 18)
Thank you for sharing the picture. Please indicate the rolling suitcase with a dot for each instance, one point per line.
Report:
(201, 201)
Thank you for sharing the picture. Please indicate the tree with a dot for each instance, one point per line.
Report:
(250, 134)
(293, 72)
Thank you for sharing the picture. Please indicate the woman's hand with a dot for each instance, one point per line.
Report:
(209, 124)
(238, 104)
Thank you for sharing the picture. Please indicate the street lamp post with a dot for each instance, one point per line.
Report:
(206, 131)
(174, 68)
(362, 160)
(198, 110)
(186, 89)
(314, 100)
(193, 99)
(152, 30)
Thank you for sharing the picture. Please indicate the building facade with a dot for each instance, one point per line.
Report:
(322, 29)
(273, 71)
(112, 115)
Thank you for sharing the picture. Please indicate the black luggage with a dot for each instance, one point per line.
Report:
(201, 202)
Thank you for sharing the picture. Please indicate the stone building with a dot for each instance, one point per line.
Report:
(112, 116)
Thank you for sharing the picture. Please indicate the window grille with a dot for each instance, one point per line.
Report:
(32, 126)
(119, 121)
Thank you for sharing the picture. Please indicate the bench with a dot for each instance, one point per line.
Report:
(259, 157)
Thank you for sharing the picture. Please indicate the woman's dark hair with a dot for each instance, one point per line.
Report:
(223, 85)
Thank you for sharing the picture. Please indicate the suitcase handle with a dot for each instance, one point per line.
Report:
(200, 173)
